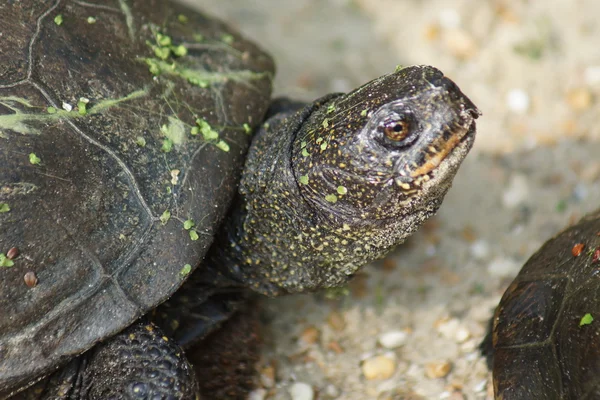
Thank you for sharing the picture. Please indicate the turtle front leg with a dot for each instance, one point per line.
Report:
(138, 363)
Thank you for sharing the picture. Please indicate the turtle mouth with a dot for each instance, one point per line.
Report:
(450, 149)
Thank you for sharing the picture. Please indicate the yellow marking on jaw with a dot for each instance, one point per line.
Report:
(434, 161)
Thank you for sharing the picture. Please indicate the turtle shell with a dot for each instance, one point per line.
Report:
(123, 129)
(545, 346)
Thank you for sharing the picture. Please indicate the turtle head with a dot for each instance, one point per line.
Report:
(347, 178)
(387, 150)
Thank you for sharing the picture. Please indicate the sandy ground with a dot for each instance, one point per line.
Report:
(411, 324)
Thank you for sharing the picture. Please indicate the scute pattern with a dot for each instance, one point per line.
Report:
(540, 348)
(86, 219)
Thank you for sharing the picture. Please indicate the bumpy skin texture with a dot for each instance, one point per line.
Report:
(138, 363)
(540, 351)
(341, 188)
(86, 218)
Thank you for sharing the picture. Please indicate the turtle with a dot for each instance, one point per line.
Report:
(149, 185)
(545, 341)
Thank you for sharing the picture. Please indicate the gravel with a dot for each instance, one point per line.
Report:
(301, 391)
(393, 339)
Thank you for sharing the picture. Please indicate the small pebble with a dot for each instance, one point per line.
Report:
(457, 395)
(517, 191)
(449, 18)
(257, 394)
(310, 335)
(503, 268)
(592, 75)
(393, 339)
(431, 32)
(267, 376)
(468, 233)
(453, 330)
(438, 369)
(590, 172)
(469, 346)
(455, 386)
(580, 192)
(460, 43)
(480, 250)
(517, 100)
(414, 371)
(462, 335)
(336, 321)
(447, 327)
(332, 391)
(481, 386)
(579, 99)
(301, 391)
(335, 347)
(379, 367)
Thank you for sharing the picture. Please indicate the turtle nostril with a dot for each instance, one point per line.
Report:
(472, 111)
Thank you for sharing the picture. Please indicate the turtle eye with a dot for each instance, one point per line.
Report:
(396, 130)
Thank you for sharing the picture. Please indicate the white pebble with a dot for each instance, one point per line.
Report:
(517, 100)
(448, 328)
(462, 334)
(449, 18)
(414, 371)
(469, 346)
(66, 106)
(257, 394)
(592, 74)
(332, 391)
(301, 391)
(580, 191)
(393, 339)
(517, 191)
(503, 267)
(481, 386)
(473, 354)
(430, 250)
(480, 249)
